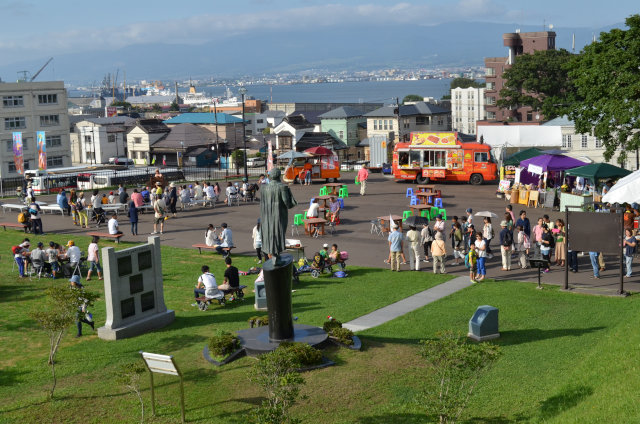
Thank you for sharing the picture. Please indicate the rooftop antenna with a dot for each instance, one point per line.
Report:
(573, 42)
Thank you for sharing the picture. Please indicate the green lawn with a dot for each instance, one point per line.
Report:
(87, 390)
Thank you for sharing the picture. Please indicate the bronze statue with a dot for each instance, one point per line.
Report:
(275, 200)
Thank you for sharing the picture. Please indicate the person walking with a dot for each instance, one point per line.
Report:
(82, 315)
(560, 242)
(506, 240)
(458, 244)
(363, 176)
(487, 233)
(36, 221)
(81, 208)
(395, 247)
(524, 222)
(427, 240)
(593, 256)
(481, 248)
(173, 199)
(413, 237)
(257, 242)
(473, 263)
(522, 246)
(159, 209)
(438, 252)
(133, 217)
(73, 200)
(630, 244)
(546, 244)
(93, 258)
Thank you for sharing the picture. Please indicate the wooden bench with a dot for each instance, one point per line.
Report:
(204, 302)
(115, 237)
(14, 225)
(201, 246)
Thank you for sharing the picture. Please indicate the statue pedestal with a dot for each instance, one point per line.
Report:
(277, 282)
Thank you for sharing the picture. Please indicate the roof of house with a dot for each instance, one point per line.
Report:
(313, 117)
(113, 120)
(562, 121)
(153, 126)
(314, 139)
(185, 135)
(146, 100)
(219, 118)
(343, 112)
(298, 121)
(274, 113)
(418, 108)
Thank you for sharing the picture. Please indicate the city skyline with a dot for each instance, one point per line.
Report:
(39, 28)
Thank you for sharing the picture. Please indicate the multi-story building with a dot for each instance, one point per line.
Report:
(100, 139)
(140, 138)
(467, 107)
(518, 44)
(28, 107)
(419, 116)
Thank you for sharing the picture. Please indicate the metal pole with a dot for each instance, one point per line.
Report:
(566, 249)
(215, 117)
(153, 395)
(182, 398)
(621, 289)
(244, 137)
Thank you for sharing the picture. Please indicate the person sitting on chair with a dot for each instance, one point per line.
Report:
(73, 254)
(231, 276)
(334, 256)
(312, 212)
(206, 285)
(38, 258)
(113, 225)
(225, 239)
(334, 209)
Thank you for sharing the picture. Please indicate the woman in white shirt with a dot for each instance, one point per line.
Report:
(257, 242)
(210, 236)
(481, 248)
(487, 233)
(312, 212)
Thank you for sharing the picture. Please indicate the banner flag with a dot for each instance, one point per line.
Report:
(269, 155)
(42, 150)
(17, 152)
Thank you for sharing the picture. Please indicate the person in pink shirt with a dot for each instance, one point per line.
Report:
(136, 198)
(363, 175)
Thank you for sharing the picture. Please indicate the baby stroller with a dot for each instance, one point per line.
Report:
(319, 265)
(99, 216)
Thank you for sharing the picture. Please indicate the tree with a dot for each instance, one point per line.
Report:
(129, 376)
(455, 368)
(60, 310)
(156, 108)
(122, 104)
(465, 83)
(174, 106)
(238, 158)
(412, 98)
(608, 86)
(539, 80)
(275, 373)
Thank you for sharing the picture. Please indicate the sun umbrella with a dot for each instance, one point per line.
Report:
(597, 171)
(292, 154)
(516, 158)
(545, 163)
(627, 190)
(487, 214)
(319, 151)
(416, 221)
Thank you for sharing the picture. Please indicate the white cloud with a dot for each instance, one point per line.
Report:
(201, 28)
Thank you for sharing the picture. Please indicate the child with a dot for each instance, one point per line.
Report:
(133, 218)
(473, 263)
(52, 258)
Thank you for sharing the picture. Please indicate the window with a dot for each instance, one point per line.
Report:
(385, 124)
(12, 101)
(89, 156)
(422, 120)
(481, 157)
(87, 139)
(25, 145)
(9, 144)
(491, 115)
(54, 141)
(259, 121)
(529, 116)
(340, 134)
(598, 143)
(490, 100)
(375, 124)
(568, 141)
(137, 140)
(53, 161)
(490, 72)
(583, 143)
(12, 166)
(406, 123)
(14, 123)
(111, 138)
(49, 120)
(434, 158)
(564, 141)
(491, 85)
(47, 99)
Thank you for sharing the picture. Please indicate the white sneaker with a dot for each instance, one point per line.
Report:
(425, 260)
(194, 304)
(155, 232)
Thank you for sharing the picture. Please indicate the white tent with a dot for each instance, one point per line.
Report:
(626, 190)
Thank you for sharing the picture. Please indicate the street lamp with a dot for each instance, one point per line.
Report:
(242, 92)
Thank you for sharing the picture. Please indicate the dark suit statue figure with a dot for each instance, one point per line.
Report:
(275, 201)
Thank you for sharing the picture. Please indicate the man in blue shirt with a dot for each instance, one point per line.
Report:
(524, 221)
(226, 241)
(395, 247)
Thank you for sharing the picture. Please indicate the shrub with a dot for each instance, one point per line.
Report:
(223, 344)
(329, 325)
(343, 335)
(303, 354)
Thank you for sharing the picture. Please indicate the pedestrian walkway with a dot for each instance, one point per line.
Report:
(407, 305)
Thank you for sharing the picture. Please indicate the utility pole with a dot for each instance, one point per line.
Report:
(215, 117)
(243, 91)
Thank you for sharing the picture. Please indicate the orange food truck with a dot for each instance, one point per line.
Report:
(442, 156)
(323, 167)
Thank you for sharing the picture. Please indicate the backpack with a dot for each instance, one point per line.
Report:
(16, 249)
(507, 239)
(340, 274)
(467, 264)
(79, 205)
(22, 218)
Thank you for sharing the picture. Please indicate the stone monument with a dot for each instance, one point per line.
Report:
(133, 291)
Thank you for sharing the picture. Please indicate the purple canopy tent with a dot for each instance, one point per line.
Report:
(547, 163)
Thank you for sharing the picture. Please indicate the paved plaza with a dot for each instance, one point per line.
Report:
(384, 196)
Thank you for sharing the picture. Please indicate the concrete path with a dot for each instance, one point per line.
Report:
(409, 304)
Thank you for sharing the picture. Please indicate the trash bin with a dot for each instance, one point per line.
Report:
(261, 297)
(484, 324)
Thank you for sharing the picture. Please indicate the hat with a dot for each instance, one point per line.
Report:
(244, 179)
(25, 244)
(439, 216)
(40, 244)
(325, 245)
(258, 220)
(503, 223)
(438, 235)
(190, 185)
(75, 279)
(469, 210)
(172, 185)
(111, 192)
(158, 183)
(70, 243)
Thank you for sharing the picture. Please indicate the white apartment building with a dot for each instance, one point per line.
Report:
(100, 139)
(467, 107)
(28, 107)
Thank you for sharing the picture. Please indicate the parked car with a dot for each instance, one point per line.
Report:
(121, 161)
(256, 162)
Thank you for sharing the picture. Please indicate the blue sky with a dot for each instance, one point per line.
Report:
(34, 28)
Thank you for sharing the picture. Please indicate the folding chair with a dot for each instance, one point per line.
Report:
(410, 192)
(438, 202)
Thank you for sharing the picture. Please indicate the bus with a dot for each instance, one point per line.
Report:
(442, 156)
(128, 177)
